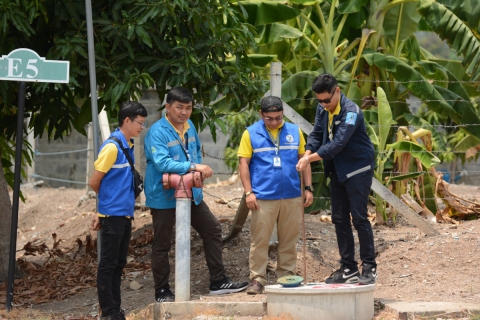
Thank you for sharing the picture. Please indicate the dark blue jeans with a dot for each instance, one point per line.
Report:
(351, 197)
(114, 241)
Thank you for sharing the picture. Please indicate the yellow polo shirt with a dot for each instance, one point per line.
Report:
(245, 149)
(186, 126)
(107, 157)
(336, 112)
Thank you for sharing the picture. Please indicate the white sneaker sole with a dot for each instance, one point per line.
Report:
(224, 291)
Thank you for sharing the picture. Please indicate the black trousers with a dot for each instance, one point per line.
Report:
(114, 241)
(351, 197)
(207, 226)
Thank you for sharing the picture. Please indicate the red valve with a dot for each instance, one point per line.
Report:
(183, 184)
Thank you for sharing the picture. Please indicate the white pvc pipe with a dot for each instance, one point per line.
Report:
(182, 249)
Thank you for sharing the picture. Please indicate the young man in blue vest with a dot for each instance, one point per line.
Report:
(112, 180)
(172, 145)
(340, 139)
(268, 152)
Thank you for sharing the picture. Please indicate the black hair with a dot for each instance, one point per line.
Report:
(179, 94)
(271, 104)
(324, 83)
(131, 109)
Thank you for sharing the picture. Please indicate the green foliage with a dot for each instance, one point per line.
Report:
(237, 123)
(456, 22)
(7, 156)
(368, 44)
(199, 44)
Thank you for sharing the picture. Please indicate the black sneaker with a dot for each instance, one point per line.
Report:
(164, 295)
(119, 316)
(343, 276)
(369, 275)
(227, 286)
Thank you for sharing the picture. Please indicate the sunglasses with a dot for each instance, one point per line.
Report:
(327, 101)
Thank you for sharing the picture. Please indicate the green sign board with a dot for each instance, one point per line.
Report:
(26, 65)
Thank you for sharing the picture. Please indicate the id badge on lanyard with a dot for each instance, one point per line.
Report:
(277, 162)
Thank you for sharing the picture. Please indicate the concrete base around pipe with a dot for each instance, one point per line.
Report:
(321, 301)
(182, 249)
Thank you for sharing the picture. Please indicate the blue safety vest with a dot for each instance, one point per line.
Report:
(115, 196)
(270, 182)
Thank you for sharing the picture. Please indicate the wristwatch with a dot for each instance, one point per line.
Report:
(193, 166)
(309, 188)
(248, 193)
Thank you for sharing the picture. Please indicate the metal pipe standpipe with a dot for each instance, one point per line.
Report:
(183, 185)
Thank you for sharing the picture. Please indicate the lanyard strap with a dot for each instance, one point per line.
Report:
(184, 147)
(330, 130)
(276, 142)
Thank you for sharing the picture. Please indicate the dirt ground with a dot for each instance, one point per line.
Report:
(60, 284)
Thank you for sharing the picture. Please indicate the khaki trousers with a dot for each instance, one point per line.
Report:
(287, 213)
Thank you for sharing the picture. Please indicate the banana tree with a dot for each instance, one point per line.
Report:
(368, 44)
(311, 37)
(380, 126)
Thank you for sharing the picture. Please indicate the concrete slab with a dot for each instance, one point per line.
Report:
(191, 309)
(321, 301)
(419, 310)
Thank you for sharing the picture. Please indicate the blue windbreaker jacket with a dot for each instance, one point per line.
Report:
(165, 154)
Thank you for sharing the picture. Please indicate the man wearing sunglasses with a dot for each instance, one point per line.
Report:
(268, 152)
(340, 139)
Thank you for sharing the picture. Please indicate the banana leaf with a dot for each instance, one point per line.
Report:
(298, 85)
(351, 6)
(408, 21)
(406, 176)
(453, 29)
(460, 73)
(420, 123)
(427, 159)
(385, 119)
(467, 143)
(266, 12)
(321, 194)
(421, 88)
(276, 32)
(428, 189)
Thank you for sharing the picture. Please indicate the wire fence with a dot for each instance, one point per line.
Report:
(455, 174)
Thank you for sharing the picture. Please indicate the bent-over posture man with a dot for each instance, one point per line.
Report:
(340, 139)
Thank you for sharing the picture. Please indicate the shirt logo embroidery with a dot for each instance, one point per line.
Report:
(289, 138)
(351, 118)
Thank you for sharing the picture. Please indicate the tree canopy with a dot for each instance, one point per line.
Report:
(199, 44)
(138, 44)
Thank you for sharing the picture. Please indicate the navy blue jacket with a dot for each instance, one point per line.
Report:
(351, 150)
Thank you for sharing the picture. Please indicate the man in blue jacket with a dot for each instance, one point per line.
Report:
(112, 180)
(172, 146)
(268, 152)
(340, 139)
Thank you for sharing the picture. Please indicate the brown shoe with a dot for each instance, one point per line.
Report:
(255, 288)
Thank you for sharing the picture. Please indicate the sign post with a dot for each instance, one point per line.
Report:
(25, 65)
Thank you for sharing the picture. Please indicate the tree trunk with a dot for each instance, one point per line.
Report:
(5, 226)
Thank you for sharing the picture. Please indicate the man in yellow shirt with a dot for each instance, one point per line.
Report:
(112, 180)
(268, 152)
